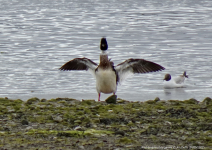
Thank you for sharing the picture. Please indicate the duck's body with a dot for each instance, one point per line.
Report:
(107, 75)
(106, 81)
(176, 82)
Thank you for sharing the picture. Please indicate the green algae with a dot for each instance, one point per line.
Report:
(207, 101)
(191, 101)
(32, 101)
(125, 140)
(72, 133)
(87, 102)
(87, 123)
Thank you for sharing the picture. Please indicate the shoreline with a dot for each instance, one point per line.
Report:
(66, 123)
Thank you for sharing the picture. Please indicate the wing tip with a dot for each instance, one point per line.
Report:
(61, 69)
(160, 69)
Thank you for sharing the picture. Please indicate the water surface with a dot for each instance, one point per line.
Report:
(39, 36)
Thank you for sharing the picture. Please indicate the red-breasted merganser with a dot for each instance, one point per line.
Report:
(107, 75)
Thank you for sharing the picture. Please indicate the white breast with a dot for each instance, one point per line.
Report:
(105, 81)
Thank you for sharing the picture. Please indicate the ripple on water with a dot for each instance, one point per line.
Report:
(37, 37)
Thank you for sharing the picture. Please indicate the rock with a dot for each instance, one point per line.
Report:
(57, 118)
(160, 111)
(138, 122)
(32, 100)
(49, 125)
(34, 125)
(97, 148)
(24, 122)
(129, 146)
(94, 107)
(111, 99)
(6, 129)
(150, 102)
(43, 100)
(77, 121)
(207, 101)
(157, 99)
(191, 101)
(78, 128)
(119, 133)
(28, 128)
(168, 123)
(94, 125)
(81, 147)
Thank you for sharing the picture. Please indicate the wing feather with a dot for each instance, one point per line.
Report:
(132, 66)
(79, 64)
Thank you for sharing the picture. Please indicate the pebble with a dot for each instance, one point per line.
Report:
(78, 128)
(57, 118)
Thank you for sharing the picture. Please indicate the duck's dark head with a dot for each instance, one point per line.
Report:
(167, 77)
(103, 44)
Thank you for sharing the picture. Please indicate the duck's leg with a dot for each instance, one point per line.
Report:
(99, 96)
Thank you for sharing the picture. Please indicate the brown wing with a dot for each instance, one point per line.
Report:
(132, 66)
(139, 66)
(79, 64)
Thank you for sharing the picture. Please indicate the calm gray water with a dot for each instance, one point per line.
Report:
(39, 36)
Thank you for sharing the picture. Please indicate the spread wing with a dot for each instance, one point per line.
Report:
(80, 64)
(132, 66)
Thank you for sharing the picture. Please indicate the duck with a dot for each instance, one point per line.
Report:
(176, 82)
(106, 74)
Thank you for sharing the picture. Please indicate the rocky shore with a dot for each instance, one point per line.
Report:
(65, 123)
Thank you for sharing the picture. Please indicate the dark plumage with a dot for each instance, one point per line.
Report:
(140, 66)
(78, 64)
(103, 44)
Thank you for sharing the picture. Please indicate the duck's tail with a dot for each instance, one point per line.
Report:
(184, 74)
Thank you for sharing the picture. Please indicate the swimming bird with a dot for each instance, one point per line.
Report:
(107, 75)
(176, 82)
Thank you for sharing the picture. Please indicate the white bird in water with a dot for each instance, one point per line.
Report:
(107, 75)
(176, 82)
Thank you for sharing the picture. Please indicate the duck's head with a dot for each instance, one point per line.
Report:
(167, 77)
(103, 44)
